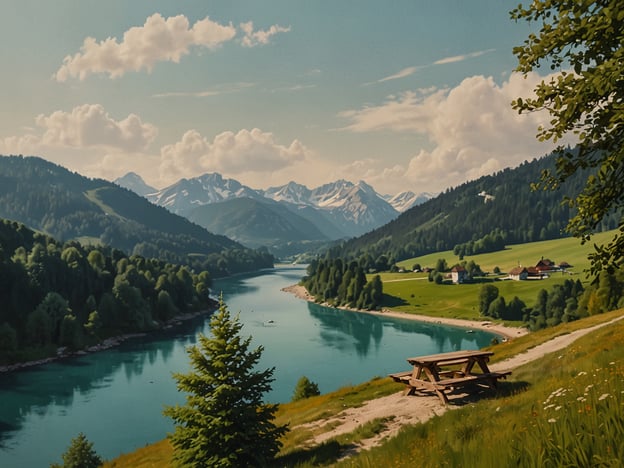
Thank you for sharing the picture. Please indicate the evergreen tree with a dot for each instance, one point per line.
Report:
(305, 389)
(79, 454)
(224, 422)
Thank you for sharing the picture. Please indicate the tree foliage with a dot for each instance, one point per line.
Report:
(338, 282)
(80, 454)
(65, 294)
(224, 422)
(584, 42)
(305, 388)
(461, 218)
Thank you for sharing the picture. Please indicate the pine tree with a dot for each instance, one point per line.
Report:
(79, 454)
(225, 422)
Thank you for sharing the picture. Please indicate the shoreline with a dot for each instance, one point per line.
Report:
(506, 332)
(107, 343)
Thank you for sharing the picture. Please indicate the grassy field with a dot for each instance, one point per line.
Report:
(516, 424)
(413, 293)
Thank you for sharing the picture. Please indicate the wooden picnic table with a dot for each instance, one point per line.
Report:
(447, 371)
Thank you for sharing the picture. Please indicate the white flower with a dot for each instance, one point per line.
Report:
(552, 420)
(582, 373)
(558, 408)
(603, 396)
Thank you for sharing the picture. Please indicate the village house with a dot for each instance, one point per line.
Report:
(519, 273)
(459, 274)
(545, 265)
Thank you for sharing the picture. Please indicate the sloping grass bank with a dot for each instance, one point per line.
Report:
(546, 412)
(568, 412)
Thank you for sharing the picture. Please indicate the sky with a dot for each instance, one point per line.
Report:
(405, 95)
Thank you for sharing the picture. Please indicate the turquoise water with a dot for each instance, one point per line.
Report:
(116, 396)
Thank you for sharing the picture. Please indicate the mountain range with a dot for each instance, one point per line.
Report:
(278, 217)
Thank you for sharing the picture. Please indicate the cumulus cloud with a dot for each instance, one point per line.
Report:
(229, 153)
(253, 38)
(158, 40)
(85, 126)
(471, 129)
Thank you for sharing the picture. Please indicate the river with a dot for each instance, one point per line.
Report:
(116, 397)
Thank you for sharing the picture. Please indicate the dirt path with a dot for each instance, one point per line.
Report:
(413, 409)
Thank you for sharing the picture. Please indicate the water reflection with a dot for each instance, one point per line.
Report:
(341, 329)
(36, 390)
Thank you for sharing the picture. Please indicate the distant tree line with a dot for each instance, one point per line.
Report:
(562, 303)
(492, 242)
(55, 294)
(340, 283)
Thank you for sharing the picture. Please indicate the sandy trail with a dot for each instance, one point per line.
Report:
(413, 409)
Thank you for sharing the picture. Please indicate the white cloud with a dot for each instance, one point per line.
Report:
(158, 40)
(461, 58)
(217, 91)
(402, 74)
(471, 129)
(86, 126)
(260, 37)
(229, 153)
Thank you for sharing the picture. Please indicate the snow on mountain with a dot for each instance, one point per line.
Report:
(339, 209)
(357, 208)
(292, 192)
(405, 200)
(134, 182)
(187, 194)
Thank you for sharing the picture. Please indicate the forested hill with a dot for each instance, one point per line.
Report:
(492, 209)
(65, 294)
(66, 205)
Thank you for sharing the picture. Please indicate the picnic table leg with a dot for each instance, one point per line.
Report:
(442, 396)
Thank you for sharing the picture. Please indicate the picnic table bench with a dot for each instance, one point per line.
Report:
(448, 371)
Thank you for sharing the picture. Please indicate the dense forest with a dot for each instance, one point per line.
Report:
(67, 206)
(477, 216)
(56, 294)
(338, 283)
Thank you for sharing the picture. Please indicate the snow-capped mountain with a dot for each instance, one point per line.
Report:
(187, 194)
(338, 209)
(133, 181)
(356, 208)
(405, 200)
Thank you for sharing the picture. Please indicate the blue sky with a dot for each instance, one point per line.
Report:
(406, 95)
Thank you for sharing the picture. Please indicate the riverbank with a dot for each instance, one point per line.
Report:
(108, 343)
(507, 332)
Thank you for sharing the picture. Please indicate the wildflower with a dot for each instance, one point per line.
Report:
(603, 396)
(581, 398)
(558, 408)
(582, 373)
(612, 363)
(498, 409)
(552, 420)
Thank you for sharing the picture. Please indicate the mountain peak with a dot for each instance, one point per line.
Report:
(135, 183)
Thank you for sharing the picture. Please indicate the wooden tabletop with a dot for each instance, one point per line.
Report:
(452, 356)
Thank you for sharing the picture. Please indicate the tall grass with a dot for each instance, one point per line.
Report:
(565, 410)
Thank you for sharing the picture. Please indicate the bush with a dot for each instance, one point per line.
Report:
(305, 389)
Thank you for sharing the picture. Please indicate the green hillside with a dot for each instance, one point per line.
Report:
(255, 224)
(413, 293)
(66, 205)
(480, 213)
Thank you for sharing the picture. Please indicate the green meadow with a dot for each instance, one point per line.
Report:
(413, 293)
